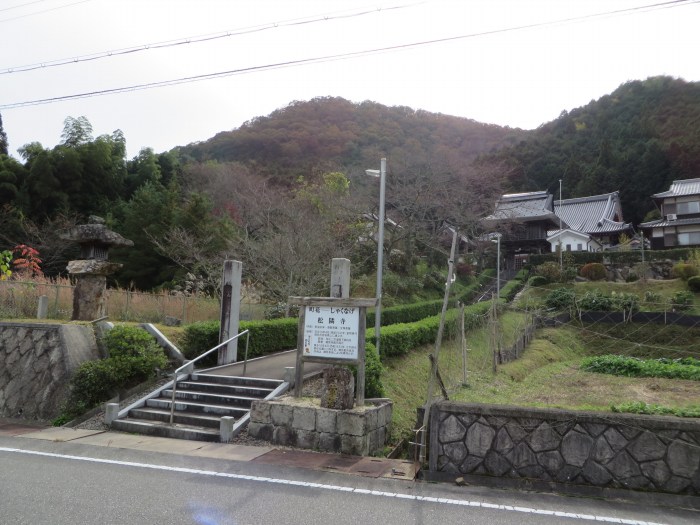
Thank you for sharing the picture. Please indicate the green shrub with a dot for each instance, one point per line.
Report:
(628, 302)
(694, 283)
(560, 299)
(684, 271)
(549, 271)
(538, 280)
(682, 300)
(595, 300)
(93, 382)
(593, 271)
(134, 357)
(130, 341)
(199, 337)
(651, 297)
(373, 372)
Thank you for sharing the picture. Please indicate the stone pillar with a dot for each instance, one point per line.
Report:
(43, 309)
(230, 311)
(340, 278)
(338, 388)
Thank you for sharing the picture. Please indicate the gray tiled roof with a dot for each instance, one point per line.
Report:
(524, 207)
(679, 188)
(592, 215)
(663, 222)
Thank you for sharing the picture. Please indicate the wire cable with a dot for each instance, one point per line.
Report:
(39, 12)
(335, 57)
(201, 38)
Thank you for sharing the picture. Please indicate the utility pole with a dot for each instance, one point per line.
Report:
(438, 342)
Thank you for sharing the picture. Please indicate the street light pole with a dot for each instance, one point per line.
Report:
(561, 253)
(498, 263)
(498, 267)
(380, 250)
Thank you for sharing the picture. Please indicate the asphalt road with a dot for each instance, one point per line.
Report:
(44, 482)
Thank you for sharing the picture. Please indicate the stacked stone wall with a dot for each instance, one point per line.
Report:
(301, 423)
(586, 448)
(36, 364)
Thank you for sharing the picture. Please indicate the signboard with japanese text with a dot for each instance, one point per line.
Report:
(332, 332)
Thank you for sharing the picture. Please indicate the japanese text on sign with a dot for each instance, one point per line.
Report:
(331, 332)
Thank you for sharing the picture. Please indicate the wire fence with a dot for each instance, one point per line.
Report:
(20, 299)
(502, 338)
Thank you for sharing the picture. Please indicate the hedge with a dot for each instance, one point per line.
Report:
(406, 313)
(512, 287)
(620, 257)
(409, 313)
(402, 338)
(267, 337)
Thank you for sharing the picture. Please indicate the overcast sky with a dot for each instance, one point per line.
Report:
(507, 62)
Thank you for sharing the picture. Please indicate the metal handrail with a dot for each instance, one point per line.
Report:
(190, 365)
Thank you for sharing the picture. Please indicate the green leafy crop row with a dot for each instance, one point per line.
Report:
(685, 368)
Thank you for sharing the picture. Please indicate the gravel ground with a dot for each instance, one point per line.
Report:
(312, 388)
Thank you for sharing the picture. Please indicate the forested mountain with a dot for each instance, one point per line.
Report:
(292, 183)
(636, 140)
(335, 134)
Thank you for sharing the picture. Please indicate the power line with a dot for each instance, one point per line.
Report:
(39, 12)
(21, 5)
(340, 56)
(201, 38)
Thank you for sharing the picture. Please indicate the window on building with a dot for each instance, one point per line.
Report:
(683, 208)
(690, 238)
(568, 247)
(579, 247)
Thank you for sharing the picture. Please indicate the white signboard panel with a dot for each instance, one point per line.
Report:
(332, 332)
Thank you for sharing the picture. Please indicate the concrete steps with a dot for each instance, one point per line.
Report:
(201, 401)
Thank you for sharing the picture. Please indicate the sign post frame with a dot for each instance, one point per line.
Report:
(361, 304)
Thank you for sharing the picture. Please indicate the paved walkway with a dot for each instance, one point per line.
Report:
(356, 465)
(268, 367)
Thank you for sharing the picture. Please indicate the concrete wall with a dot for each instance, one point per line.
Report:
(37, 361)
(300, 423)
(586, 448)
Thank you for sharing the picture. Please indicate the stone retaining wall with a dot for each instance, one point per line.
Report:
(599, 449)
(303, 423)
(36, 363)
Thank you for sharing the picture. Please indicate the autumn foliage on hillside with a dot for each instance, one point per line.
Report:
(636, 140)
(333, 133)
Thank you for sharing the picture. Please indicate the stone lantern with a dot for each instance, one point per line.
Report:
(92, 269)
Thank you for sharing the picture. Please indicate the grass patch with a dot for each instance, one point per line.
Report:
(549, 373)
(405, 378)
(656, 410)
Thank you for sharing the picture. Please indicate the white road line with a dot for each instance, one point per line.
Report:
(337, 488)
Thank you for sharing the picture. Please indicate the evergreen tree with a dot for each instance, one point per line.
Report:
(3, 139)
